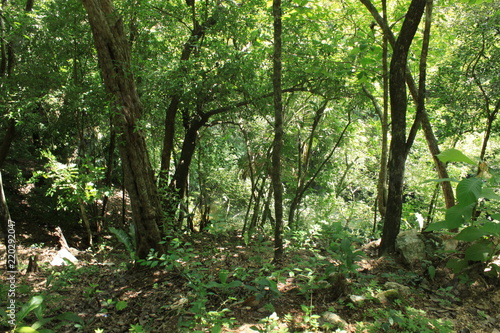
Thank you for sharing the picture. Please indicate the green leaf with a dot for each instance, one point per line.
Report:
(489, 193)
(26, 329)
(432, 272)
(457, 265)
(454, 155)
(456, 215)
(491, 228)
(124, 238)
(33, 303)
(469, 190)
(480, 251)
(40, 323)
(495, 217)
(437, 226)
(70, 316)
(120, 305)
(213, 284)
(223, 275)
(234, 284)
(216, 329)
(470, 234)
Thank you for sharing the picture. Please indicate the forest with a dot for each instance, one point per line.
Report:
(250, 166)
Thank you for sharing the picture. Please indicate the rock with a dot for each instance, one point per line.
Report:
(62, 254)
(404, 290)
(334, 319)
(450, 245)
(411, 246)
(387, 296)
(357, 299)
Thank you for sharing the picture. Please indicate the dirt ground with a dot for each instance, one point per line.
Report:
(159, 298)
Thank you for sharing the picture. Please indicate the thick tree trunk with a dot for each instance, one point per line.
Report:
(278, 133)
(399, 147)
(114, 56)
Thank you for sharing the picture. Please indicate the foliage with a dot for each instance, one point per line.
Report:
(67, 275)
(36, 306)
(178, 257)
(481, 231)
(70, 183)
(332, 51)
(408, 320)
(127, 239)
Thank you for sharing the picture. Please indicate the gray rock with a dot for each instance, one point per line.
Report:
(411, 246)
(399, 287)
(334, 319)
(357, 299)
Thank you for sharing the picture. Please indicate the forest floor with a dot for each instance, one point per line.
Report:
(210, 285)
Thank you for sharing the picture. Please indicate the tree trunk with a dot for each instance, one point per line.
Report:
(113, 50)
(177, 188)
(7, 62)
(384, 156)
(398, 146)
(303, 163)
(426, 125)
(278, 133)
(296, 201)
(197, 34)
(383, 114)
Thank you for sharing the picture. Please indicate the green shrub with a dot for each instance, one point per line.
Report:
(481, 232)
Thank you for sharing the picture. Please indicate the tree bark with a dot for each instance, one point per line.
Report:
(432, 142)
(278, 133)
(113, 50)
(177, 187)
(398, 147)
(383, 113)
(197, 34)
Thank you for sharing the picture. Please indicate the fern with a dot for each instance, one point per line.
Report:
(127, 239)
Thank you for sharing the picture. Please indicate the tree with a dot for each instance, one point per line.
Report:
(197, 33)
(7, 64)
(430, 137)
(400, 146)
(114, 56)
(278, 132)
